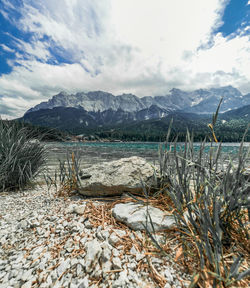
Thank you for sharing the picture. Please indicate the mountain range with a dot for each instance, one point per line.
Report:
(66, 118)
(200, 101)
(95, 112)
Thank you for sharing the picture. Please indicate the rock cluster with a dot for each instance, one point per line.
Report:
(51, 243)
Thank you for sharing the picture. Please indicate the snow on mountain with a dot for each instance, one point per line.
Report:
(198, 101)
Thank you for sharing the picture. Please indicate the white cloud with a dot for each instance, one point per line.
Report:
(144, 47)
(7, 48)
(36, 49)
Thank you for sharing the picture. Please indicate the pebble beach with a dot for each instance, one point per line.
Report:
(49, 241)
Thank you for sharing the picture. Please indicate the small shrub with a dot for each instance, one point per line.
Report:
(66, 177)
(69, 173)
(211, 204)
(21, 157)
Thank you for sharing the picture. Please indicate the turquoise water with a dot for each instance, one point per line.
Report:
(230, 148)
(95, 152)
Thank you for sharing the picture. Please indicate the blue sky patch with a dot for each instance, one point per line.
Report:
(236, 16)
(10, 34)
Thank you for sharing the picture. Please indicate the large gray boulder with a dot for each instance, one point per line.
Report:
(116, 177)
(136, 217)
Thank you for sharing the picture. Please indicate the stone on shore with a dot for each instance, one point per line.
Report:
(135, 216)
(116, 177)
(67, 250)
(94, 251)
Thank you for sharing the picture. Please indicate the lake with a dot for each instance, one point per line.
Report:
(94, 152)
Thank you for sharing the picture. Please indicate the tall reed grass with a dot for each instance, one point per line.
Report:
(211, 204)
(21, 157)
(66, 177)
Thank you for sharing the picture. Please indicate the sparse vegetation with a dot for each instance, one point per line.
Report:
(21, 157)
(66, 177)
(210, 200)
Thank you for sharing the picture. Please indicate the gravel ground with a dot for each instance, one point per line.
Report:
(50, 242)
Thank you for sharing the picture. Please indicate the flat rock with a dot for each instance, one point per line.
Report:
(106, 252)
(79, 209)
(135, 216)
(27, 275)
(116, 177)
(64, 265)
(84, 283)
(117, 263)
(93, 254)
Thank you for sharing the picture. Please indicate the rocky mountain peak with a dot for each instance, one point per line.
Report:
(198, 101)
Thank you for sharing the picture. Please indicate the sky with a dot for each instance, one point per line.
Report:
(144, 47)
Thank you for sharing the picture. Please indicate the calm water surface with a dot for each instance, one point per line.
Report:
(94, 152)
